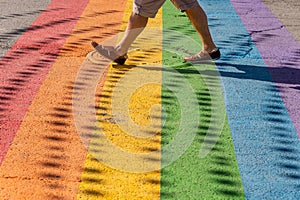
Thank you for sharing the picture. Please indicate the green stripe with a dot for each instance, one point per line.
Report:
(215, 176)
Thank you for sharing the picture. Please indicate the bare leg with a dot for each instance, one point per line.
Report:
(135, 26)
(199, 20)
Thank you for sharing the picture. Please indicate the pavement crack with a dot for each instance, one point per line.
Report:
(249, 11)
(247, 52)
(265, 30)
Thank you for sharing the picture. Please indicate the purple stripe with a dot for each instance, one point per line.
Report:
(279, 50)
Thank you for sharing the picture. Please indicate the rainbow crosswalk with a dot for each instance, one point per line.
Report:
(74, 126)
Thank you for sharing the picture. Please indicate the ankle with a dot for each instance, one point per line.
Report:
(121, 51)
(209, 47)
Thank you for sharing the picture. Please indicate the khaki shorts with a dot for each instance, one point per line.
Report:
(149, 8)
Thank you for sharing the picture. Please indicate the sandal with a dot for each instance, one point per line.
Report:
(110, 53)
(203, 56)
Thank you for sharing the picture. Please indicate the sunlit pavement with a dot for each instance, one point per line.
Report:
(76, 126)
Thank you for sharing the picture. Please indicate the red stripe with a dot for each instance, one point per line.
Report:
(25, 66)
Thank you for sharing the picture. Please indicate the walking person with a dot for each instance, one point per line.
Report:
(145, 9)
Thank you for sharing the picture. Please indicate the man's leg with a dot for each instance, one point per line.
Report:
(142, 10)
(118, 54)
(135, 26)
(199, 20)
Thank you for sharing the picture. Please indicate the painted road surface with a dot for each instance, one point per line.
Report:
(76, 126)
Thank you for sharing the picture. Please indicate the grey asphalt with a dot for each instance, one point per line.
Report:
(17, 15)
(287, 12)
(15, 18)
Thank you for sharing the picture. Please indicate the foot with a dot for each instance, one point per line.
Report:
(110, 53)
(203, 56)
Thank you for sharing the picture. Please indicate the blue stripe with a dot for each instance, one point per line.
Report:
(265, 140)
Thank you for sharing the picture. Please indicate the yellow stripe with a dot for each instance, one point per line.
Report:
(144, 109)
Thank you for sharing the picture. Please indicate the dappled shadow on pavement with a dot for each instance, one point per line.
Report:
(99, 122)
(26, 66)
(260, 88)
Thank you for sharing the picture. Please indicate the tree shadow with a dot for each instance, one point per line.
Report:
(256, 87)
(108, 122)
(26, 65)
(216, 172)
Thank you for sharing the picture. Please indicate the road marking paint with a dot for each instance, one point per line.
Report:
(46, 158)
(114, 183)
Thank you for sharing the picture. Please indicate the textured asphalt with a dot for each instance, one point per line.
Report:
(288, 14)
(16, 16)
(260, 98)
(260, 74)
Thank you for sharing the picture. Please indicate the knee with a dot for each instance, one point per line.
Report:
(137, 20)
(136, 17)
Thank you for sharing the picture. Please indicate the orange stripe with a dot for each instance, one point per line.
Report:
(46, 158)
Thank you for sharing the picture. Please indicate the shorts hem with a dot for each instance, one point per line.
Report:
(139, 11)
(185, 7)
